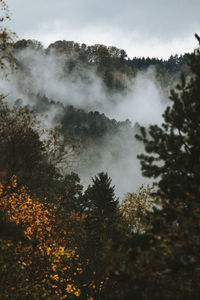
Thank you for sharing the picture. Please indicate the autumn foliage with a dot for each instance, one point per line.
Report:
(49, 256)
(59, 241)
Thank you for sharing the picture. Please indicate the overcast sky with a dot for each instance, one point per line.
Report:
(155, 28)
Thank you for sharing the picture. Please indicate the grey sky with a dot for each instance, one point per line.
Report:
(141, 27)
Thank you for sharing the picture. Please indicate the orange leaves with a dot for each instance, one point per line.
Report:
(52, 256)
(49, 234)
(71, 289)
(32, 215)
(21, 209)
(14, 181)
(135, 206)
(4, 36)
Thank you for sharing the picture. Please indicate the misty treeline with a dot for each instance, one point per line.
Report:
(60, 240)
(80, 103)
(91, 93)
(110, 63)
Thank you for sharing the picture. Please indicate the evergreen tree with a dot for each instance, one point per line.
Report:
(101, 199)
(174, 148)
(169, 267)
(101, 223)
(71, 193)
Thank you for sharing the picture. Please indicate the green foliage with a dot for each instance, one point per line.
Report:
(90, 127)
(101, 199)
(169, 268)
(175, 145)
(22, 152)
(172, 65)
(23, 44)
(58, 242)
(72, 193)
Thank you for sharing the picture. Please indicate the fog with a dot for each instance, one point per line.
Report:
(142, 102)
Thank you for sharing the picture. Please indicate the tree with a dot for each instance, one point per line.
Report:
(6, 39)
(135, 207)
(102, 202)
(36, 155)
(175, 146)
(71, 194)
(22, 152)
(169, 267)
(101, 227)
(49, 246)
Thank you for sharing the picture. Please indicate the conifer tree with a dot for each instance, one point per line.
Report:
(174, 147)
(101, 198)
(101, 223)
(169, 267)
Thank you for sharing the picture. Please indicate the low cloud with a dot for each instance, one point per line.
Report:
(143, 28)
(143, 102)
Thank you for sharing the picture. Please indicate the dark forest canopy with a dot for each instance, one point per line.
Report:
(94, 53)
(111, 63)
(92, 125)
(172, 65)
(61, 241)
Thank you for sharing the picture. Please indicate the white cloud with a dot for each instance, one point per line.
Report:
(143, 28)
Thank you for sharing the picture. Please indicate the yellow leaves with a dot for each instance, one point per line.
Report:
(61, 249)
(79, 270)
(54, 286)
(73, 290)
(54, 250)
(20, 208)
(77, 293)
(54, 277)
(69, 288)
(135, 206)
(54, 267)
(48, 250)
(48, 229)
(14, 181)
(1, 189)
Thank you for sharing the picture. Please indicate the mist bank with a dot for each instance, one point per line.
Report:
(44, 82)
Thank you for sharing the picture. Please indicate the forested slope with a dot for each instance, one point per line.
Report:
(60, 240)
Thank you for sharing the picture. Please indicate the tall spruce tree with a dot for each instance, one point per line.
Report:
(102, 209)
(174, 148)
(101, 225)
(169, 267)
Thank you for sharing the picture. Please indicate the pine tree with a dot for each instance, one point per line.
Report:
(101, 199)
(169, 268)
(174, 148)
(101, 224)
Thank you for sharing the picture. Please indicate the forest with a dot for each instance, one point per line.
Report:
(78, 220)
